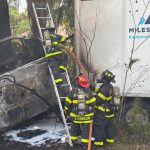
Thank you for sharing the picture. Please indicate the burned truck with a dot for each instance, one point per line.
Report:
(25, 83)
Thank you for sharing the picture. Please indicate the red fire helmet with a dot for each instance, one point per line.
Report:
(82, 80)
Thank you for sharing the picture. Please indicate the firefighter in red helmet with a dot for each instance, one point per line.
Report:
(79, 105)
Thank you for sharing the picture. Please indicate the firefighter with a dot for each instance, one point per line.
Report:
(79, 105)
(104, 129)
(56, 56)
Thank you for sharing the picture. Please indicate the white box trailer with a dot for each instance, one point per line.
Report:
(119, 31)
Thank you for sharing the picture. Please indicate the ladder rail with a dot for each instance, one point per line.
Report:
(60, 107)
(68, 80)
(51, 74)
(50, 15)
(37, 21)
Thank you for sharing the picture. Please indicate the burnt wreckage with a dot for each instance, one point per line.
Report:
(25, 85)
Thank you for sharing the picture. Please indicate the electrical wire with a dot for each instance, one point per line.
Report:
(31, 90)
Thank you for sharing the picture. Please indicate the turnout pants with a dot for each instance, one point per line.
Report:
(58, 64)
(80, 129)
(103, 129)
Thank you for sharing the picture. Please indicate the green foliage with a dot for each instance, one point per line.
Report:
(63, 12)
(19, 22)
(14, 17)
(23, 26)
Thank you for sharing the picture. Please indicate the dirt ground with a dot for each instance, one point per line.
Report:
(10, 145)
(124, 141)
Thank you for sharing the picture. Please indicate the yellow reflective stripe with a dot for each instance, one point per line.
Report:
(109, 116)
(52, 54)
(68, 100)
(62, 67)
(91, 100)
(104, 97)
(103, 109)
(73, 115)
(66, 108)
(109, 98)
(88, 115)
(110, 140)
(63, 38)
(84, 140)
(73, 137)
(75, 101)
(52, 35)
(98, 143)
(55, 43)
(58, 80)
(89, 121)
(96, 89)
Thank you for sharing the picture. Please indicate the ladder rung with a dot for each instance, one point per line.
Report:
(64, 85)
(43, 28)
(41, 8)
(62, 97)
(44, 17)
(68, 123)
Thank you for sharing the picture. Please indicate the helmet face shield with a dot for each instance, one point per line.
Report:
(82, 80)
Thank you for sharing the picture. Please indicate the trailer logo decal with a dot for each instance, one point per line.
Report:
(138, 19)
(142, 21)
(143, 29)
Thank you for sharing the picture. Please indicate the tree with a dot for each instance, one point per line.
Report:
(19, 22)
(4, 19)
(7, 56)
(62, 13)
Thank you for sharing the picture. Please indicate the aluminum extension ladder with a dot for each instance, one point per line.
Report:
(49, 17)
(36, 9)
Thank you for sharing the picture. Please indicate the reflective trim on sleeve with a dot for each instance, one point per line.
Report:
(89, 115)
(68, 100)
(63, 68)
(66, 108)
(109, 116)
(52, 54)
(84, 140)
(58, 80)
(104, 97)
(96, 89)
(91, 100)
(74, 137)
(75, 101)
(55, 43)
(73, 115)
(110, 140)
(103, 109)
(62, 39)
(99, 143)
(52, 35)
